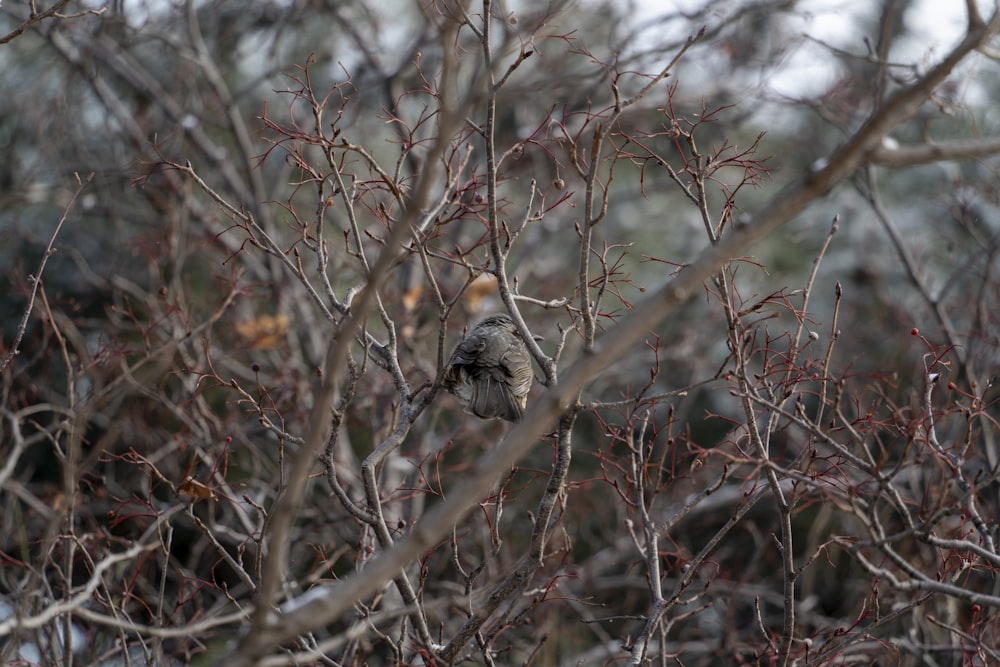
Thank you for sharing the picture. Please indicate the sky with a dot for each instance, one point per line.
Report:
(933, 27)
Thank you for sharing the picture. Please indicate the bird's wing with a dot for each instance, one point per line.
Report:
(493, 398)
(499, 376)
(468, 351)
(517, 365)
(502, 389)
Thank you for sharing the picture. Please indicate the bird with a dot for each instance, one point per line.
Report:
(490, 370)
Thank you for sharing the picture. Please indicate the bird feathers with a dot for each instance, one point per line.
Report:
(490, 370)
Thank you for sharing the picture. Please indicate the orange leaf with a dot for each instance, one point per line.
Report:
(192, 487)
(263, 332)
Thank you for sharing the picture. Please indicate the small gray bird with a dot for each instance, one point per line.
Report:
(490, 371)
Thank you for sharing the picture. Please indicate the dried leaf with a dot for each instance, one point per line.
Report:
(192, 487)
(264, 332)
